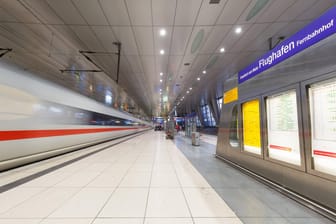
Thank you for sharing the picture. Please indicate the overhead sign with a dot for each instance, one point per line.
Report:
(231, 95)
(314, 32)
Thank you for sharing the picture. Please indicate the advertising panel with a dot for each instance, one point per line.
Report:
(282, 128)
(251, 127)
(322, 100)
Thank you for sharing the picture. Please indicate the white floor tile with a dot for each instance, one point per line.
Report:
(166, 202)
(87, 203)
(20, 221)
(164, 180)
(168, 221)
(192, 179)
(41, 205)
(217, 221)
(126, 202)
(136, 179)
(67, 221)
(106, 180)
(118, 221)
(11, 198)
(204, 202)
(78, 179)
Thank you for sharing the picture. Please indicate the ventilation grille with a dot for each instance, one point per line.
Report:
(214, 1)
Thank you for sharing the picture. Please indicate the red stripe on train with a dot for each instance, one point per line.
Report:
(324, 153)
(24, 134)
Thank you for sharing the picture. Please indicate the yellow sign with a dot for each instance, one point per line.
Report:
(251, 124)
(231, 95)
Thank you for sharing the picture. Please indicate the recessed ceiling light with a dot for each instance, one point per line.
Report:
(163, 32)
(161, 74)
(160, 93)
(238, 30)
(160, 90)
(222, 50)
(198, 78)
(204, 72)
(188, 91)
(160, 80)
(190, 88)
(162, 51)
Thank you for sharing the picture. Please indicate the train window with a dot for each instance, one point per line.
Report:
(234, 131)
(282, 127)
(251, 127)
(322, 101)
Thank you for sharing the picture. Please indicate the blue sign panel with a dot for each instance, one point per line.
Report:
(317, 30)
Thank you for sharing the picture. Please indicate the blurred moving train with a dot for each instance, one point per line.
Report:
(39, 119)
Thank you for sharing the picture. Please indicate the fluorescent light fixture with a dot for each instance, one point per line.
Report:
(162, 51)
(161, 73)
(198, 78)
(204, 72)
(163, 32)
(238, 30)
(222, 50)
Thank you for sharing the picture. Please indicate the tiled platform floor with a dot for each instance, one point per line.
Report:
(149, 179)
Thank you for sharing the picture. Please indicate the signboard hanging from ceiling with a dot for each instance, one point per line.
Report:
(314, 32)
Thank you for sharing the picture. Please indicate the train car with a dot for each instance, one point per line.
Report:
(281, 123)
(39, 119)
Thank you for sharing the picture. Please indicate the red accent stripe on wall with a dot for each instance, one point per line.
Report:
(24, 134)
(281, 148)
(325, 153)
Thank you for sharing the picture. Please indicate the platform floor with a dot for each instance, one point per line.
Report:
(146, 179)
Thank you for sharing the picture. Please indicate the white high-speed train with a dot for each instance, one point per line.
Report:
(39, 119)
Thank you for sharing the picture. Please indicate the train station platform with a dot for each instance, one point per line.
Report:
(143, 179)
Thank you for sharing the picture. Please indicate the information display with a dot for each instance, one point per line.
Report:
(282, 127)
(251, 127)
(322, 100)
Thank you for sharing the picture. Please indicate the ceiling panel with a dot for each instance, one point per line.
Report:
(215, 38)
(140, 12)
(199, 63)
(174, 63)
(180, 40)
(43, 10)
(144, 39)
(88, 37)
(209, 13)
(162, 42)
(316, 10)
(106, 37)
(124, 34)
(232, 37)
(274, 11)
(232, 10)
(161, 64)
(296, 9)
(186, 12)
(67, 11)
(163, 12)
(91, 11)
(18, 11)
(135, 63)
(148, 63)
(261, 43)
(116, 12)
(250, 36)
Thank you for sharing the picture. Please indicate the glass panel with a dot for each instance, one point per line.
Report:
(234, 131)
(322, 99)
(282, 127)
(251, 127)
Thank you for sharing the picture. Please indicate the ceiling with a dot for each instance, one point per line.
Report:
(47, 35)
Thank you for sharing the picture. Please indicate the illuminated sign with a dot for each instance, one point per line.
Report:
(231, 95)
(314, 32)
